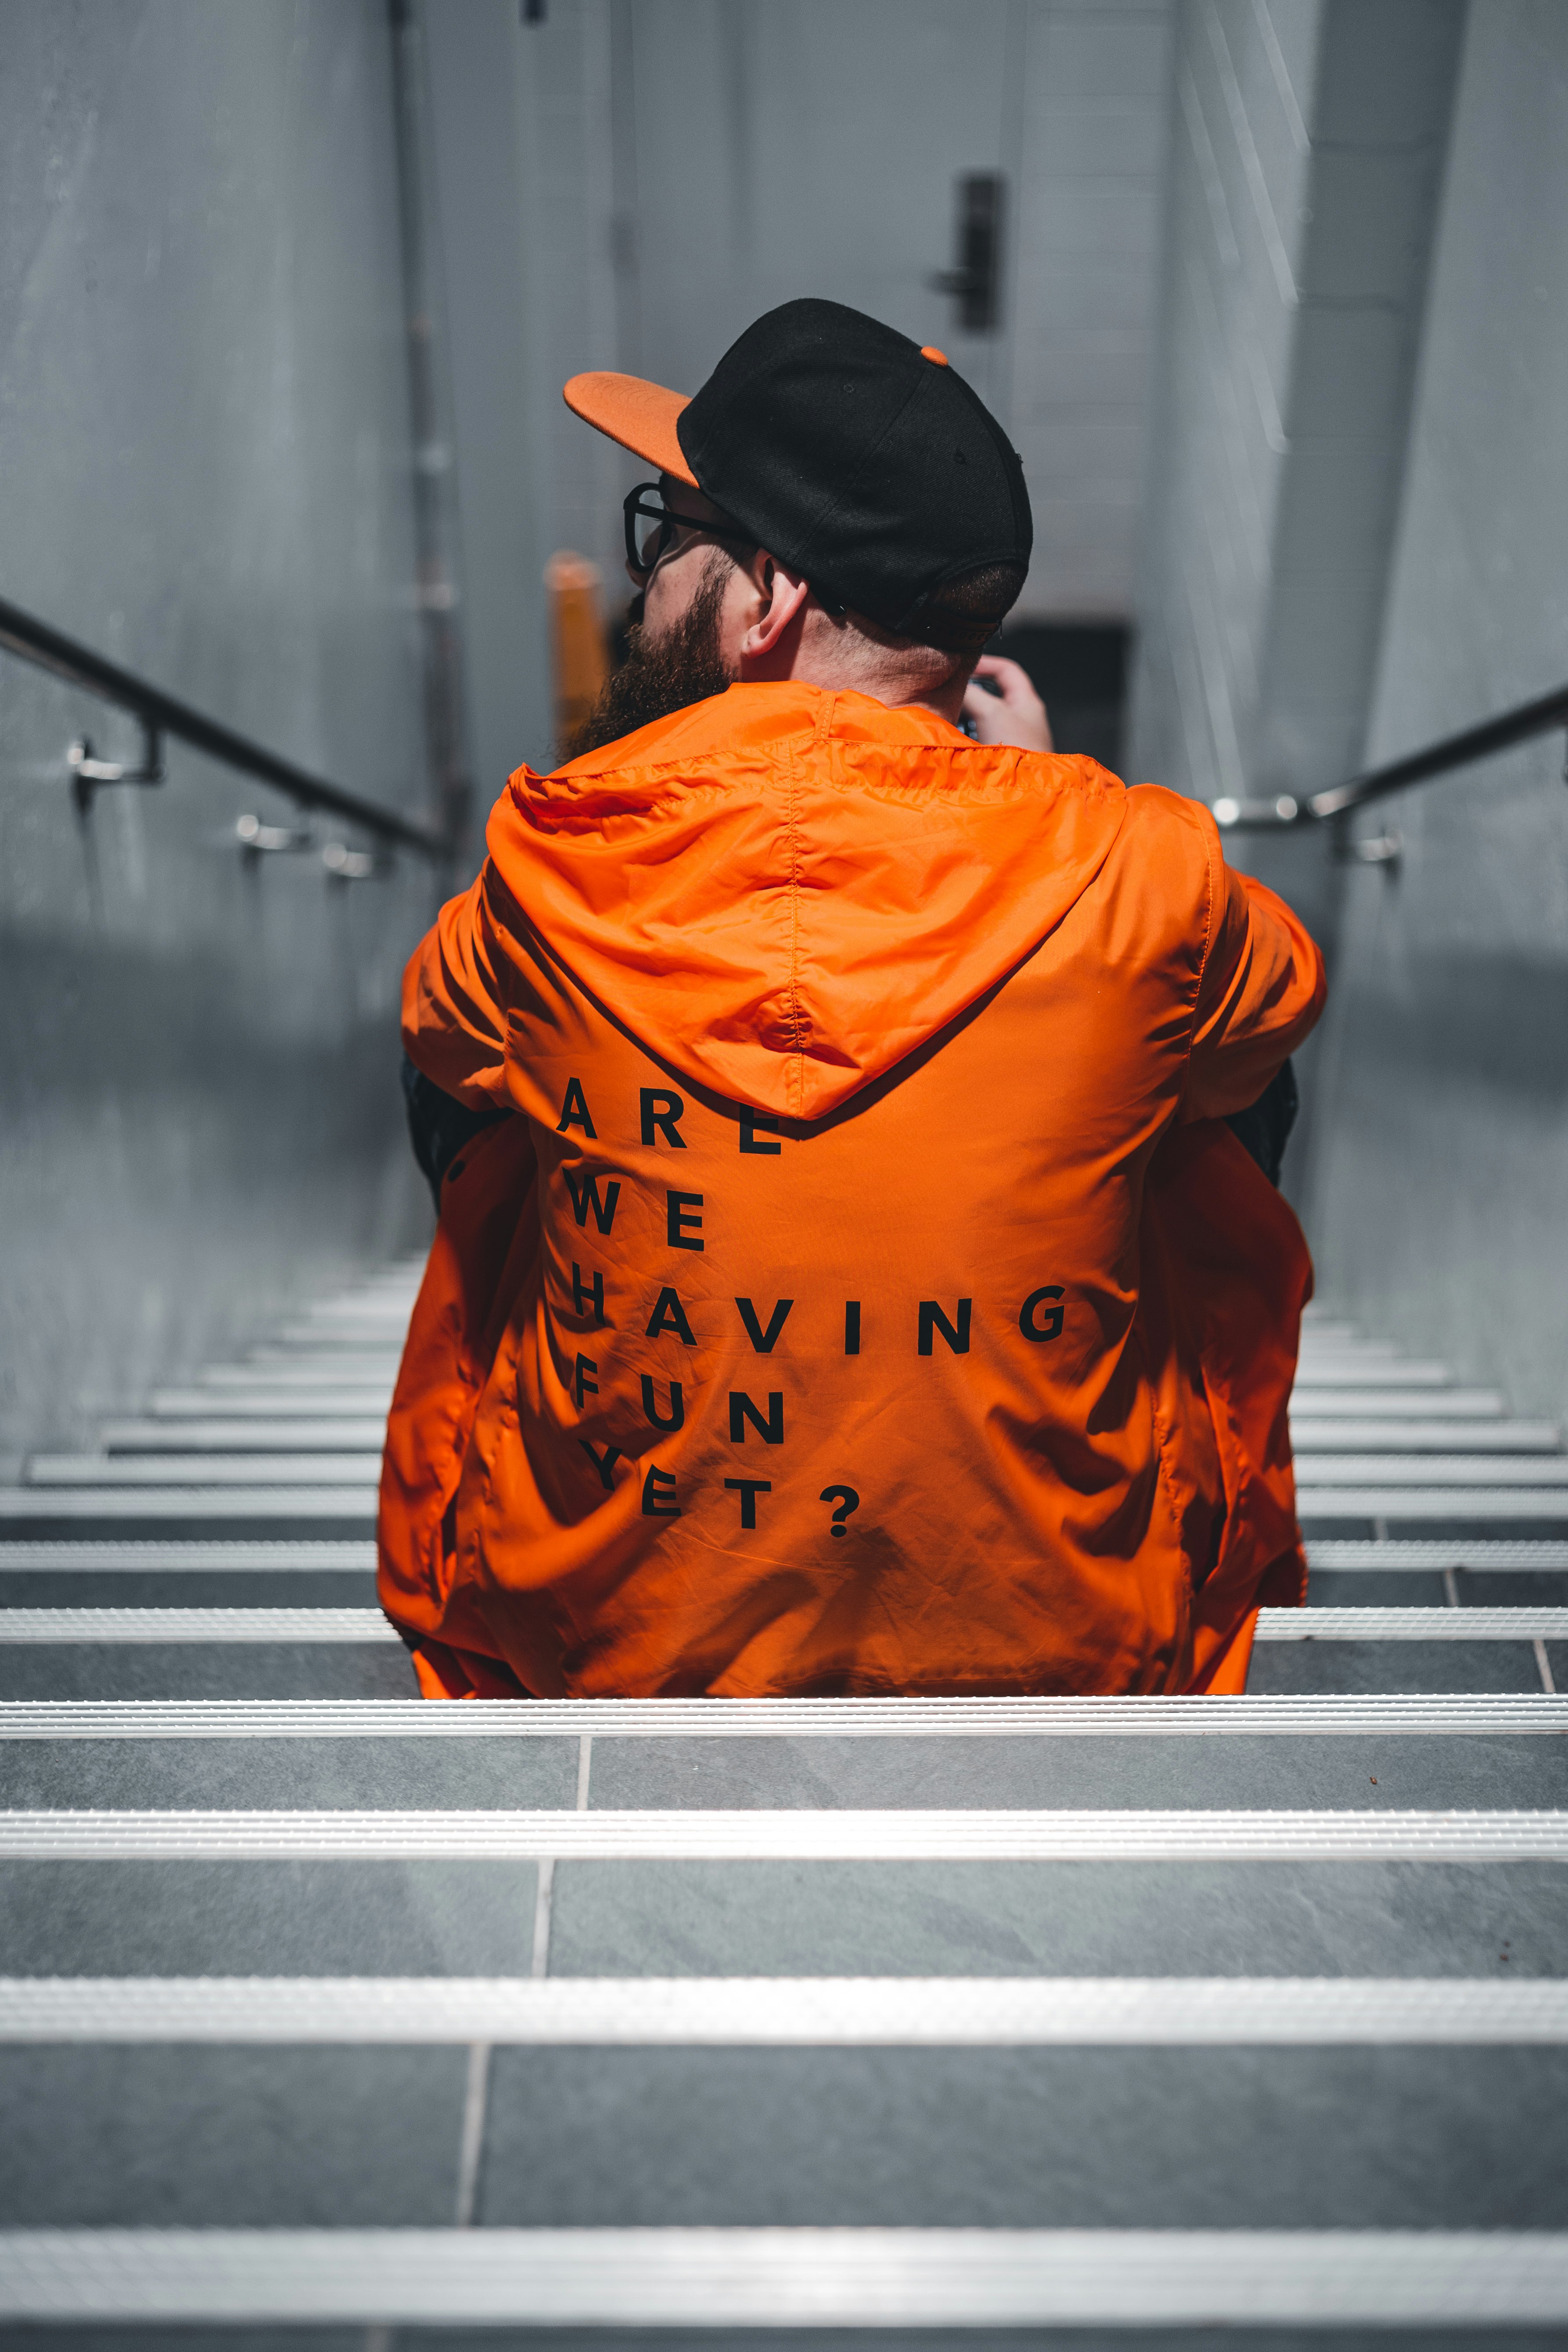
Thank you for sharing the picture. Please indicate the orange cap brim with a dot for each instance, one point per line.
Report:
(640, 416)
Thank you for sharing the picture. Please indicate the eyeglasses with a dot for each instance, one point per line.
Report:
(651, 527)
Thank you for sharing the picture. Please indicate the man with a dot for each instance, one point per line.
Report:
(849, 1283)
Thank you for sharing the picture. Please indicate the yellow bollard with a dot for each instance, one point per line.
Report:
(580, 661)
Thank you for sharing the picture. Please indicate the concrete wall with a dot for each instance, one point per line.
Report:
(693, 163)
(1306, 166)
(204, 411)
(1443, 1176)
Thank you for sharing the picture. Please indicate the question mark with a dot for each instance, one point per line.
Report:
(851, 1503)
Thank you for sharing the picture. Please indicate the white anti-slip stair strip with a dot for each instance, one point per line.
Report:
(173, 1407)
(1432, 1624)
(1480, 1505)
(174, 1556)
(1312, 1435)
(1358, 1372)
(790, 2011)
(1335, 1555)
(331, 1435)
(758, 1835)
(225, 1625)
(327, 1624)
(98, 1473)
(21, 1506)
(783, 2277)
(76, 1472)
(276, 1422)
(1476, 1407)
(1434, 1470)
(1486, 1714)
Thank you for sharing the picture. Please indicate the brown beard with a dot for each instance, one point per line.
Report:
(684, 667)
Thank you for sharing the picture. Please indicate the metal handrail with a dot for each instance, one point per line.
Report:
(1544, 715)
(159, 714)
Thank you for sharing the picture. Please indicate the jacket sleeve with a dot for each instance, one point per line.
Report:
(1260, 993)
(453, 1007)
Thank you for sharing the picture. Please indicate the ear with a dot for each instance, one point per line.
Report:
(781, 599)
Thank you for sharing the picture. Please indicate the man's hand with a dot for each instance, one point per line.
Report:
(1015, 715)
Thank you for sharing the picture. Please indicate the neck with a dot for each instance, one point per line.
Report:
(845, 657)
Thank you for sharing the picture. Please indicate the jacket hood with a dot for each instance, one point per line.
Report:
(783, 892)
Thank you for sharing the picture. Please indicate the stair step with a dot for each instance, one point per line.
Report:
(223, 2134)
(140, 1511)
(339, 1435)
(295, 1399)
(1329, 1555)
(73, 1471)
(798, 2279)
(858, 1721)
(225, 1626)
(768, 1834)
(1456, 1508)
(625, 1930)
(369, 1626)
(1311, 1435)
(362, 1909)
(1313, 1402)
(287, 1367)
(895, 2012)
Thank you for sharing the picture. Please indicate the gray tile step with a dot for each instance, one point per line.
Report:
(214, 2135)
(204, 1653)
(430, 1916)
(801, 2282)
(1370, 1372)
(1170, 2139)
(209, 1654)
(836, 1756)
(1403, 1913)
(1311, 1667)
(181, 1574)
(252, 1671)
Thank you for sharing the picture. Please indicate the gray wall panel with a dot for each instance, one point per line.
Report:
(1445, 1160)
(204, 411)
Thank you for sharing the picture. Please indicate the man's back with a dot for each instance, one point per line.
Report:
(817, 1325)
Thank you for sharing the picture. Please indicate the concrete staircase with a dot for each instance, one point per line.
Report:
(332, 2020)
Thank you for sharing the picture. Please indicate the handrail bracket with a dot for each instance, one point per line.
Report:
(89, 774)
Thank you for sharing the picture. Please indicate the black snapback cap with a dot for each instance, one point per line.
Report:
(858, 459)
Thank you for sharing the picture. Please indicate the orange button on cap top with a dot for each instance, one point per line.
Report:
(930, 351)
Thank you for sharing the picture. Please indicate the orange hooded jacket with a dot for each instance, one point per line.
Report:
(866, 1296)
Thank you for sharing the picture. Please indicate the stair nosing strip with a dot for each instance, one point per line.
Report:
(789, 2012)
